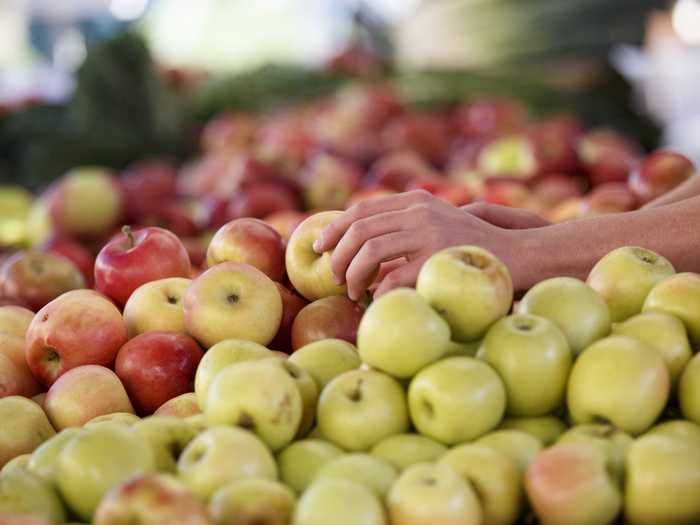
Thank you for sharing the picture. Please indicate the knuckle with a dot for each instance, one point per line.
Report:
(371, 248)
(357, 230)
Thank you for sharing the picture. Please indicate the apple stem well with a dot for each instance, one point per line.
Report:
(130, 241)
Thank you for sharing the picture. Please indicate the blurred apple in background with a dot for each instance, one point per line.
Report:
(261, 199)
(489, 117)
(555, 189)
(334, 317)
(285, 222)
(506, 192)
(22, 492)
(424, 133)
(292, 304)
(157, 305)
(145, 184)
(398, 170)
(610, 197)
(509, 156)
(328, 182)
(368, 193)
(659, 173)
(607, 156)
(75, 252)
(228, 131)
(15, 320)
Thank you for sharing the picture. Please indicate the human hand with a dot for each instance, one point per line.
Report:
(505, 216)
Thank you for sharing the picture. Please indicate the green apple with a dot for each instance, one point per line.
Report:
(677, 428)
(432, 493)
(546, 429)
(400, 334)
(253, 501)
(309, 272)
(463, 349)
(19, 462)
(520, 446)
(613, 443)
(495, 478)
(326, 359)
(198, 422)
(300, 461)
(221, 455)
(340, 502)
(44, 460)
(662, 332)
(569, 484)
(123, 418)
(168, 436)
(575, 307)
(532, 357)
(261, 396)
(157, 306)
(359, 408)
(619, 380)
(181, 406)
(23, 492)
(371, 471)
(662, 481)
(404, 450)
(309, 394)
(30, 427)
(469, 287)
(218, 357)
(151, 499)
(678, 295)
(689, 390)
(95, 460)
(624, 277)
(456, 399)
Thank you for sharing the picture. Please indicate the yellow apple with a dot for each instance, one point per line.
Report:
(14, 320)
(18, 462)
(689, 390)
(181, 406)
(404, 450)
(253, 501)
(546, 429)
(326, 359)
(678, 295)
(520, 446)
(24, 427)
(23, 492)
(157, 306)
(679, 428)
(300, 461)
(168, 436)
(371, 471)
(44, 460)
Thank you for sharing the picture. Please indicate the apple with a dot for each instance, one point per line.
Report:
(95, 461)
(509, 156)
(16, 371)
(261, 396)
(397, 170)
(63, 335)
(573, 306)
(662, 332)
(218, 357)
(433, 493)
(520, 446)
(328, 182)
(12, 383)
(75, 252)
(546, 429)
(37, 278)
(619, 380)
(360, 408)
(120, 418)
(156, 367)
(168, 436)
(532, 357)
(221, 455)
(292, 304)
(606, 156)
(369, 470)
(341, 502)
(86, 201)
(469, 287)
(678, 428)
(261, 199)
(569, 484)
(309, 272)
(689, 391)
(151, 499)
(157, 306)
(44, 460)
(456, 399)
(249, 241)
(368, 193)
(624, 278)
(495, 478)
(232, 301)
(133, 258)
(23, 492)
(145, 183)
(326, 359)
(567, 210)
(659, 173)
(487, 117)
(555, 189)
(15, 320)
(285, 222)
(84, 393)
(610, 197)
(300, 461)
(16, 463)
(405, 450)
(181, 406)
(253, 501)
(661, 481)
(678, 295)
(30, 427)
(400, 334)
(23, 519)
(227, 131)
(333, 317)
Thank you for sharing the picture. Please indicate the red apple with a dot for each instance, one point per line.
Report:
(292, 304)
(554, 144)
(78, 328)
(328, 182)
(356, 59)
(145, 184)
(489, 117)
(228, 131)
(214, 210)
(198, 177)
(555, 189)
(374, 104)
(285, 222)
(607, 156)
(611, 197)
(156, 367)
(367, 194)
(464, 157)
(659, 173)
(284, 140)
(133, 258)
(261, 199)
(170, 215)
(507, 193)
(334, 317)
(424, 133)
(399, 169)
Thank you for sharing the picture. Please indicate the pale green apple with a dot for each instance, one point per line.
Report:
(123, 418)
(662, 332)
(569, 484)
(520, 446)
(678, 295)
(221, 355)
(182, 406)
(624, 277)
(340, 502)
(463, 349)
(157, 306)
(456, 399)
(326, 359)
(23, 492)
(44, 460)
(359, 408)
(309, 394)
(366, 469)
(96, 460)
(495, 478)
(29, 427)
(679, 428)
(19, 462)
(533, 358)
(662, 481)
(221, 455)
(689, 390)
(261, 396)
(619, 380)
(198, 422)
(253, 501)
(300, 461)
(433, 493)
(310, 272)
(469, 287)
(575, 307)
(400, 334)
(404, 450)
(168, 436)
(546, 429)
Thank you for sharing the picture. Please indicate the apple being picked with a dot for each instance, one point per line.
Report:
(157, 306)
(659, 173)
(678, 295)
(333, 317)
(328, 182)
(253, 501)
(30, 427)
(133, 258)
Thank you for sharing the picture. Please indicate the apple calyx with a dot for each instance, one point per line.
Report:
(246, 422)
(355, 395)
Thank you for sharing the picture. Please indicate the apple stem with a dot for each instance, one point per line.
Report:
(126, 230)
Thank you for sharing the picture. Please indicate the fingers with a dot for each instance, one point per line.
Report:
(405, 275)
(506, 217)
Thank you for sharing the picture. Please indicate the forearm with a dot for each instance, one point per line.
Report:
(689, 189)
